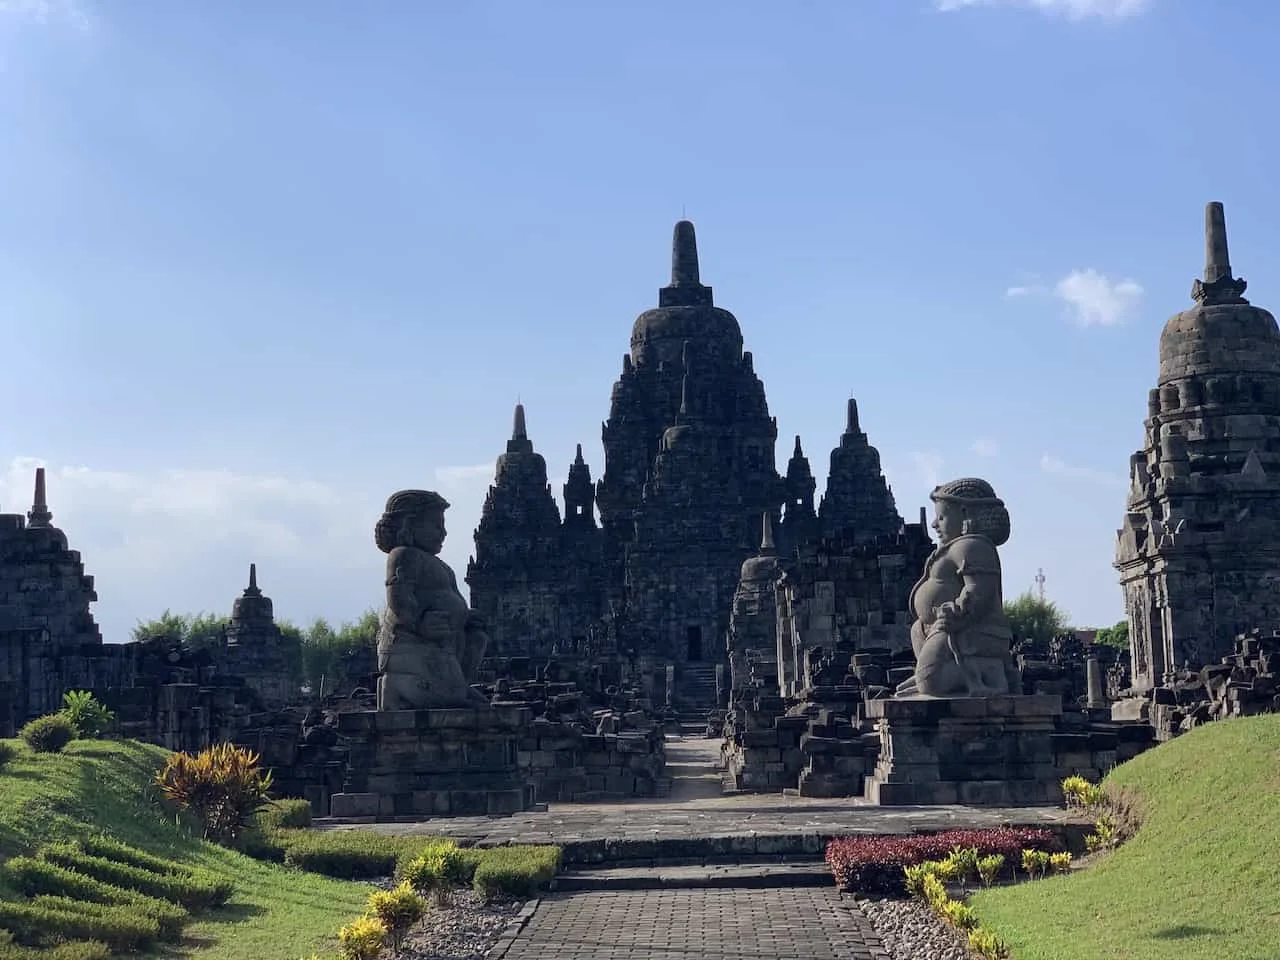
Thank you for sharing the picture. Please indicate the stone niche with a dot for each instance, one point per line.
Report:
(459, 762)
(980, 751)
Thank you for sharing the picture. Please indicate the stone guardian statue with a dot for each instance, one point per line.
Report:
(430, 642)
(961, 636)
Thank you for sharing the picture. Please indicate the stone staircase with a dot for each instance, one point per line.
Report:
(695, 696)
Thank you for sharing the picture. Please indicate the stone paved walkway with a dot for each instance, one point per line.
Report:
(794, 924)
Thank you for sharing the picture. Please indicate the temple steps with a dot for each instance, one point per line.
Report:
(740, 873)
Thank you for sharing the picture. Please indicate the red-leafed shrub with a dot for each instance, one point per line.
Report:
(874, 864)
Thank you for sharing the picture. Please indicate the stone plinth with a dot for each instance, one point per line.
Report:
(979, 751)
(433, 763)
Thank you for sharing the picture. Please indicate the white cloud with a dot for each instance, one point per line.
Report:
(184, 539)
(69, 12)
(1070, 9)
(1052, 464)
(1094, 300)
(1091, 298)
(985, 447)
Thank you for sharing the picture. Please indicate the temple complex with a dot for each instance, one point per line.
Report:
(1198, 552)
(689, 473)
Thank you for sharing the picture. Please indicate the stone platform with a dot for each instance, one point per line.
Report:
(699, 827)
(978, 751)
(433, 763)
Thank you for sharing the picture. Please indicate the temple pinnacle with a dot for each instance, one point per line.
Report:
(39, 515)
(252, 590)
(518, 431)
(1217, 260)
(797, 453)
(577, 460)
(684, 256)
(851, 417)
(766, 535)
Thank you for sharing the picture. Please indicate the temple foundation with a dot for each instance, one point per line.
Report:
(979, 751)
(433, 763)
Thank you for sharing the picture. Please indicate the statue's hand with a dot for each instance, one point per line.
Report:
(947, 616)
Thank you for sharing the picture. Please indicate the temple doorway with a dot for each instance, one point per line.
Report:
(693, 644)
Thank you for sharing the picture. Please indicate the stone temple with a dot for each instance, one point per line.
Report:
(1199, 550)
(689, 477)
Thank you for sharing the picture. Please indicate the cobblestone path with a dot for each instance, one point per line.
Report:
(699, 924)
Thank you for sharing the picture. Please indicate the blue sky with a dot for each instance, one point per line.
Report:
(262, 264)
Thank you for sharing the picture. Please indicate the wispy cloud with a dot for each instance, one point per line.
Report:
(1052, 464)
(183, 539)
(1068, 9)
(1092, 299)
(67, 12)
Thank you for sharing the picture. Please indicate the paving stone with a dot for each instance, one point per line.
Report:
(791, 924)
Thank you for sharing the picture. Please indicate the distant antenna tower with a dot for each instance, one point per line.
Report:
(1040, 583)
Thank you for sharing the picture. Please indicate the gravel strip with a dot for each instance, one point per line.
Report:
(911, 931)
(465, 929)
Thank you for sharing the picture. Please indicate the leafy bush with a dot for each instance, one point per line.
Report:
(362, 939)
(7, 752)
(183, 888)
(222, 785)
(1082, 794)
(987, 945)
(989, 868)
(518, 871)
(89, 716)
(72, 950)
(118, 927)
(874, 864)
(289, 813)
(398, 909)
(1060, 862)
(959, 915)
(438, 870)
(1035, 862)
(48, 734)
(261, 844)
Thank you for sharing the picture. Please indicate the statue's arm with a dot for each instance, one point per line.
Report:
(978, 565)
(402, 597)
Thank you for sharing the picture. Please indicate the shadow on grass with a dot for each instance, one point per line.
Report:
(1185, 931)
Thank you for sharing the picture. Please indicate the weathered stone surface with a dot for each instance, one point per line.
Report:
(425, 763)
(983, 751)
(1199, 549)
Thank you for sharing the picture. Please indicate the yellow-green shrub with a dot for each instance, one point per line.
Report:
(222, 785)
(1079, 792)
(398, 909)
(987, 945)
(362, 939)
(1060, 862)
(515, 871)
(989, 868)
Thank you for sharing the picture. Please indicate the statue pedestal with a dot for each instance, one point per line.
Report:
(981, 751)
(433, 763)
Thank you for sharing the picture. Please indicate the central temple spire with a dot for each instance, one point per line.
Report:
(684, 256)
(519, 442)
(39, 514)
(1218, 286)
(686, 288)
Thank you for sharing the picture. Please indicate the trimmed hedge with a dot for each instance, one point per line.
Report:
(516, 871)
(7, 752)
(286, 814)
(48, 734)
(352, 854)
(873, 864)
(186, 889)
(111, 849)
(119, 927)
(73, 950)
(36, 877)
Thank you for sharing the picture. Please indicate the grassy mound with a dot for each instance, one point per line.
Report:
(1200, 881)
(96, 787)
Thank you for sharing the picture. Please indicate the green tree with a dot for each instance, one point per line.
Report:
(199, 631)
(324, 647)
(1035, 619)
(1116, 636)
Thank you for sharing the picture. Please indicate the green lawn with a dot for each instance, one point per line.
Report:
(1200, 881)
(99, 786)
